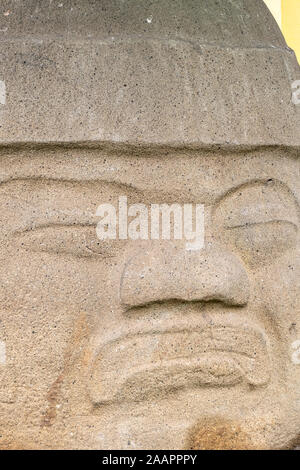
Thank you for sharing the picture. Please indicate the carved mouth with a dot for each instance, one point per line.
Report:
(139, 366)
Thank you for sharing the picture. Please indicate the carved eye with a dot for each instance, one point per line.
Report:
(259, 220)
(265, 239)
(76, 240)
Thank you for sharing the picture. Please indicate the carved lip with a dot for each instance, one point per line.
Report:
(137, 366)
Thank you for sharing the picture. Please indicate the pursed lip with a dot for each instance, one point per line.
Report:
(223, 353)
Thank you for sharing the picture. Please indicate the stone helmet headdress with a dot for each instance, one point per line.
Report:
(168, 72)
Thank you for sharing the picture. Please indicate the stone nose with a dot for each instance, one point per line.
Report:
(170, 273)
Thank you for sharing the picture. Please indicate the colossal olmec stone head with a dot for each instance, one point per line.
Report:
(142, 343)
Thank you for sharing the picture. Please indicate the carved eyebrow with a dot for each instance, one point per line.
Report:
(107, 182)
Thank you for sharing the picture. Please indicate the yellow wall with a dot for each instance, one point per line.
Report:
(287, 14)
(291, 24)
(275, 7)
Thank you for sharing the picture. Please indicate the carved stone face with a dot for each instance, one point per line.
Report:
(170, 348)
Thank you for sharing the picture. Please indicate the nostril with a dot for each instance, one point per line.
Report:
(204, 276)
(175, 309)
